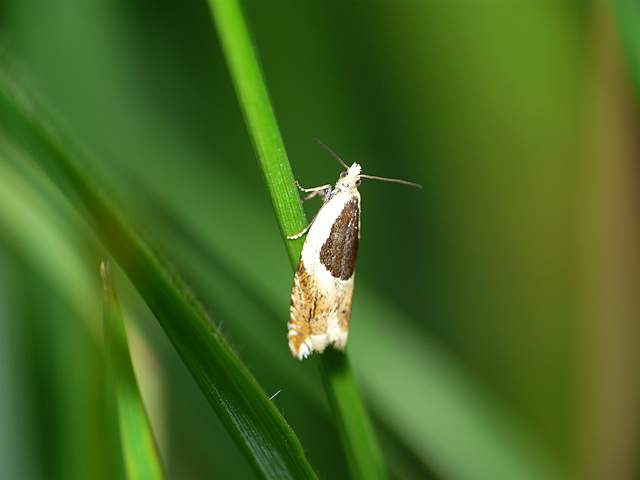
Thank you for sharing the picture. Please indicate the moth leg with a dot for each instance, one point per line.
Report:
(323, 191)
(298, 235)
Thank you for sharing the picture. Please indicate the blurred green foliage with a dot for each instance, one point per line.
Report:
(495, 321)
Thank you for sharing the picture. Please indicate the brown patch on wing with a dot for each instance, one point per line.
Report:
(339, 252)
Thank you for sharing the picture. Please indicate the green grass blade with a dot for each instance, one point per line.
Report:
(353, 423)
(260, 119)
(363, 454)
(139, 448)
(251, 419)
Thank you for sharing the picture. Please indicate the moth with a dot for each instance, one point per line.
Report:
(320, 311)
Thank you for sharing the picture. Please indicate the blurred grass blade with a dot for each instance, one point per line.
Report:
(353, 423)
(139, 448)
(246, 412)
(463, 429)
(627, 16)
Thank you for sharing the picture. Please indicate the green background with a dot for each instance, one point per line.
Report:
(501, 299)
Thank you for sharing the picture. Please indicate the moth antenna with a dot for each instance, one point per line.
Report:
(391, 180)
(330, 151)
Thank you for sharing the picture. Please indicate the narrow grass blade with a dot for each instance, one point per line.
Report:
(244, 409)
(361, 449)
(139, 448)
(260, 120)
(352, 419)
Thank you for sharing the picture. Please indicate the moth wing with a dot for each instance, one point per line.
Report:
(322, 291)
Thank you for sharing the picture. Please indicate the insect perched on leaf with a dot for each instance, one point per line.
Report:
(322, 292)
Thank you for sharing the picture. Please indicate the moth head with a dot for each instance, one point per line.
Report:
(349, 179)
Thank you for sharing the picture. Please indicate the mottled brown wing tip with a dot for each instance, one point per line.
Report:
(298, 327)
(299, 348)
